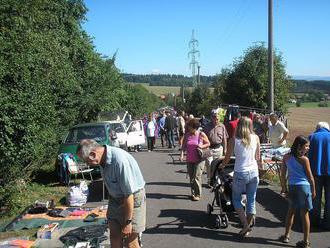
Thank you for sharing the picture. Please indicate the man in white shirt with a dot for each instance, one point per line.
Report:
(278, 133)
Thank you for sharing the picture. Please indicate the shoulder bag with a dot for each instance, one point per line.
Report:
(203, 153)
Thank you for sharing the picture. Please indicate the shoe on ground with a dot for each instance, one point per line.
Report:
(245, 232)
(284, 239)
(195, 198)
(303, 244)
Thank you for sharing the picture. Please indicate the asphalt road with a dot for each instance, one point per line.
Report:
(173, 220)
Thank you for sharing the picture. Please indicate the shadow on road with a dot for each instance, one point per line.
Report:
(273, 203)
(277, 206)
(167, 196)
(198, 224)
(169, 184)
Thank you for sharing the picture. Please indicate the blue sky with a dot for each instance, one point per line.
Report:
(152, 36)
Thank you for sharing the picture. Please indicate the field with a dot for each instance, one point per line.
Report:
(302, 121)
(164, 90)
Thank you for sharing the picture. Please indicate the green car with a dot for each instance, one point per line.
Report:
(100, 131)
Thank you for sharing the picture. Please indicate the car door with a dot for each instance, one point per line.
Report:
(120, 130)
(135, 133)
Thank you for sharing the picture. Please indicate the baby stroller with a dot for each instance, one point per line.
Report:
(221, 183)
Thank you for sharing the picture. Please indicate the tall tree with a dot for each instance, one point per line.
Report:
(245, 83)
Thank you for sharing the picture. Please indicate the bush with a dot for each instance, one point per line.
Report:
(323, 104)
(298, 103)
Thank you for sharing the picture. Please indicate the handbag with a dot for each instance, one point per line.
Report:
(204, 153)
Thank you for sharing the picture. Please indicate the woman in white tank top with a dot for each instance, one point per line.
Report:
(246, 147)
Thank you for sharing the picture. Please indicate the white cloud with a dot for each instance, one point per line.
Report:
(155, 71)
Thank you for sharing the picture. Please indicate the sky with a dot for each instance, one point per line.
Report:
(152, 36)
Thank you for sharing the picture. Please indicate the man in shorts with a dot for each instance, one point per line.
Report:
(125, 184)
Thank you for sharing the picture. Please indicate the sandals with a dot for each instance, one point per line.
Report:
(245, 232)
(303, 244)
(284, 239)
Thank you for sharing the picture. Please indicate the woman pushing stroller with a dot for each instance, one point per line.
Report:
(246, 147)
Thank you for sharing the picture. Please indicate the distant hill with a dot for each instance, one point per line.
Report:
(301, 85)
(166, 79)
(311, 78)
(316, 85)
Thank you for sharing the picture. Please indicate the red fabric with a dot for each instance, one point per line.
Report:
(232, 127)
(78, 213)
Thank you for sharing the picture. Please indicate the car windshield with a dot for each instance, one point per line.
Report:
(118, 127)
(89, 132)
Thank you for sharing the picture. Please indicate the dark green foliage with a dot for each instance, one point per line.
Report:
(166, 79)
(323, 104)
(302, 86)
(139, 101)
(313, 96)
(199, 102)
(246, 82)
(50, 79)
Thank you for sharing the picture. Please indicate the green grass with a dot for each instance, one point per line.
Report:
(164, 90)
(43, 187)
(304, 105)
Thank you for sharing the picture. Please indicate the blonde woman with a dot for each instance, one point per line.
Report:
(246, 147)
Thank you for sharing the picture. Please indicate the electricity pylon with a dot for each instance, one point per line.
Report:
(193, 44)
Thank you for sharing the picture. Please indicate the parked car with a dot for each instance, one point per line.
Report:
(130, 136)
(106, 133)
(100, 131)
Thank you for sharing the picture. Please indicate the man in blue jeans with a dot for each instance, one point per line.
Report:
(319, 157)
(170, 125)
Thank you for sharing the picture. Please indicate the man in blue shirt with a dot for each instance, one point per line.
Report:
(125, 184)
(163, 136)
(319, 157)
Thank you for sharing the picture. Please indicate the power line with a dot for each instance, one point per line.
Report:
(193, 44)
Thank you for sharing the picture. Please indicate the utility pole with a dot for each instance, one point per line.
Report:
(199, 75)
(270, 57)
(193, 43)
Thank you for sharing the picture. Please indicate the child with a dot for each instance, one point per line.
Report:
(301, 188)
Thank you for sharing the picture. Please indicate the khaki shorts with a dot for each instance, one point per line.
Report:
(116, 211)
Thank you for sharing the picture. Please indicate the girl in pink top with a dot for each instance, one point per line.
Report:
(195, 166)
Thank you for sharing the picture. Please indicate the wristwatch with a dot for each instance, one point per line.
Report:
(129, 221)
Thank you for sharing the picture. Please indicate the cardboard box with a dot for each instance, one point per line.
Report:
(46, 231)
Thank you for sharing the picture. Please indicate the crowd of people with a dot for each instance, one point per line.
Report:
(305, 170)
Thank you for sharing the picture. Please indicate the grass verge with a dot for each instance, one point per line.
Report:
(43, 187)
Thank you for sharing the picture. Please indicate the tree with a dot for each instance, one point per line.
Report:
(246, 82)
(50, 79)
(199, 102)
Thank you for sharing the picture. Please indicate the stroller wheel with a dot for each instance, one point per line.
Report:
(209, 209)
(224, 220)
(218, 222)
